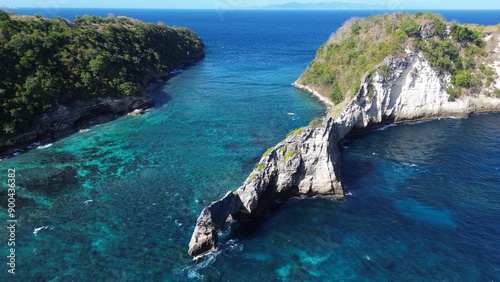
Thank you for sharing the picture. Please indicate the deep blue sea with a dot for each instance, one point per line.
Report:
(119, 201)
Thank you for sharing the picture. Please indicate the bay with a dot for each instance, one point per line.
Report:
(120, 201)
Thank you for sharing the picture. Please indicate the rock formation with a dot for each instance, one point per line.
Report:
(303, 164)
(307, 162)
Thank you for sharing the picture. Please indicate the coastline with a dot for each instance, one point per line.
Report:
(315, 93)
(66, 120)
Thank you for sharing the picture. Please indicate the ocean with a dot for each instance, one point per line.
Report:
(118, 202)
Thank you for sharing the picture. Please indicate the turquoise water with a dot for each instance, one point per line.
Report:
(120, 201)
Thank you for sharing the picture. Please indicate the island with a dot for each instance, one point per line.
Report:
(57, 75)
(378, 70)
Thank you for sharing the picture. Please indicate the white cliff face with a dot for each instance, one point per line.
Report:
(412, 91)
(303, 164)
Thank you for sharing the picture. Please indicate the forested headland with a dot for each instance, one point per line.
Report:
(47, 63)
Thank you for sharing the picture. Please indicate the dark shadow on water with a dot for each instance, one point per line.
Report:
(353, 172)
(160, 97)
(245, 230)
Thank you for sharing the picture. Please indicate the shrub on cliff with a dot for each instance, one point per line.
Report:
(464, 34)
(46, 62)
(411, 28)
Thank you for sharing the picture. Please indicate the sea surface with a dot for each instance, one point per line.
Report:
(118, 202)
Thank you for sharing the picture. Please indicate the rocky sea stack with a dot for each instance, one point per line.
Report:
(382, 69)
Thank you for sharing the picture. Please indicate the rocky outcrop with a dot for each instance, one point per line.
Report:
(307, 162)
(303, 164)
(413, 90)
(136, 113)
(315, 93)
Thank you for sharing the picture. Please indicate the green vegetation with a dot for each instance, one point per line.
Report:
(252, 176)
(411, 28)
(289, 154)
(266, 153)
(46, 63)
(295, 132)
(464, 34)
(259, 166)
(360, 47)
(454, 93)
(496, 92)
(316, 122)
(355, 29)
(461, 57)
(385, 69)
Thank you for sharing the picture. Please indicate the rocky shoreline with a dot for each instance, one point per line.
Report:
(64, 120)
(315, 93)
(307, 162)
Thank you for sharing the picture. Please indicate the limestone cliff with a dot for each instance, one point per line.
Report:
(413, 90)
(405, 87)
(303, 164)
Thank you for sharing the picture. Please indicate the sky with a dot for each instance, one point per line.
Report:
(243, 4)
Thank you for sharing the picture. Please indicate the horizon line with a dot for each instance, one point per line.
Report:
(261, 9)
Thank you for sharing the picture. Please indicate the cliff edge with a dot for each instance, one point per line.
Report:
(436, 69)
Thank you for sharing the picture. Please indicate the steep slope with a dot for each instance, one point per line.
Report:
(420, 77)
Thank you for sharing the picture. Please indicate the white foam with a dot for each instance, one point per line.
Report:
(45, 146)
(192, 272)
(35, 232)
(382, 128)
